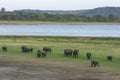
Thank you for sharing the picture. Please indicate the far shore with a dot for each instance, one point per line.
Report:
(7, 22)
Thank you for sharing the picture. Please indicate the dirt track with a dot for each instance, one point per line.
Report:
(18, 69)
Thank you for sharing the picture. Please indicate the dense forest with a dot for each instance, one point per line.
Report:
(36, 15)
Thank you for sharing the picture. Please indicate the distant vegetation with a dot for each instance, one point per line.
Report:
(105, 14)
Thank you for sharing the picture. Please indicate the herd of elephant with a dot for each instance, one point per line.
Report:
(75, 54)
(67, 53)
(40, 53)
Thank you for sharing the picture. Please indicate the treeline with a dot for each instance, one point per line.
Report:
(57, 17)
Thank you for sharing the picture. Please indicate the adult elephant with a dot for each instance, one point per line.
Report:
(76, 53)
(109, 58)
(68, 52)
(88, 54)
(23, 48)
(47, 49)
(4, 48)
(39, 54)
(30, 50)
(26, 49)
(94, 63)
(44, 54)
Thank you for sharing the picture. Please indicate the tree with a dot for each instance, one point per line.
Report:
(112, 18)
(99, 18)
(3, 10)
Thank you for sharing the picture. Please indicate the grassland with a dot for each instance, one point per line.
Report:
(46, 22)
(100, 47)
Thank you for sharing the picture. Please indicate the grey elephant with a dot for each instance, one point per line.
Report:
(26, 49)
(76, 53)
(44, 54)
(94, 63)
(4, 48)
(109, 58)
(68, 52)
(39, 54)
(47, 49)
(88, 54)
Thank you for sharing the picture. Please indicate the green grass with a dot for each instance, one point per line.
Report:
(100, 47)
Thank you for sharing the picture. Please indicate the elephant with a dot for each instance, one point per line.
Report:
(47, 49)
(23, 48)
(76, 53)
(109, 58)
(41, 54)
(44, 54)
(68, 52)
(30, 50)
(26, 49)
(88, 54)
(94, 63)
(4, 48)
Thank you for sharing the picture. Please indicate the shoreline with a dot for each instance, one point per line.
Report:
(43, 22)
(60, 37)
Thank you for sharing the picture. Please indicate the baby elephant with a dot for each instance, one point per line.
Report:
(94, 63)
(109, 58)
(88, 54)
(4, 48)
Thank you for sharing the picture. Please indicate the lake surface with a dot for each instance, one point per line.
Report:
(61, 30)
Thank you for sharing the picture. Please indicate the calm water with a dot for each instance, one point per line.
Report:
(61, 30)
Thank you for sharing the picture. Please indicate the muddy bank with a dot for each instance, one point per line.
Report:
(52, 73)
(17, 68)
